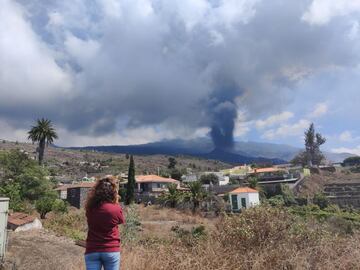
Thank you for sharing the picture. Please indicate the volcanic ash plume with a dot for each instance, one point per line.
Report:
(223, 113)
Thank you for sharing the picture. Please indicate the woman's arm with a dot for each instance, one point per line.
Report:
(121, 215)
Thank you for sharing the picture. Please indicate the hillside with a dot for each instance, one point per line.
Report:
(70, 164)
(243, 152)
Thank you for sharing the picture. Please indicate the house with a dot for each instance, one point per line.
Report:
(76, 196)
(63, 189)
(23, 222)
(189, 178)
(274, 175)
(149, 187)
(223, 179)
(243, 197)
(153, 183)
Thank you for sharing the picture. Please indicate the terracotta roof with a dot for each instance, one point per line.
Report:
(84, 185)
(265, 170)
(154, 178)
(20, 219)
(243, 190)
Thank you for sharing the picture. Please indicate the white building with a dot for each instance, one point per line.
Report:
(243, 197)
(23, 222)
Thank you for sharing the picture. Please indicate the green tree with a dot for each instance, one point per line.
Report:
(44, 205)
(130, 188)
(33, 183)
(60, 206)
(313, 141)
(14, 163)
(172, 163)
(351, 161)
(209, 179)
(254, 183)
(312, 154)
(13, 191)
(196, 195)
(23, 179)
(44, 134)
(175, 174)
(172, 197)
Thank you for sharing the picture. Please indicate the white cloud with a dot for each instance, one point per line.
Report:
(354, 30)
(354, 151)
(286, 130)
(319, 110)
(322, 11)
(8, 132)
(274, 119)
(347, 136)
(28, 70)
(81, 50)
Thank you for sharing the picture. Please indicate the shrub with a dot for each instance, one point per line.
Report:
(60, 206)
(255, 227)
(321, 200)
(132, 226)
(277, 200)
(72, 224)
(44, 205)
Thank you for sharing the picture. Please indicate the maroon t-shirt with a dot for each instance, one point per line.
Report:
(103, 225)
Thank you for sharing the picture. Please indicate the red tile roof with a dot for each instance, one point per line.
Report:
(154, 178)
(84, 185)
(20, 219)
(243, 190)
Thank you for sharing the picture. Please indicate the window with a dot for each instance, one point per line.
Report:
(243, 202)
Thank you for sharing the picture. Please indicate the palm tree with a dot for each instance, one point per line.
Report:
(197, 194)
(254, 183)
(43, 133)
(172, 197)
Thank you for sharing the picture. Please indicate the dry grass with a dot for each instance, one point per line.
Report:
(261, 238)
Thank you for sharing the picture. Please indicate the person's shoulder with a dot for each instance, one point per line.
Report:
(111, 206)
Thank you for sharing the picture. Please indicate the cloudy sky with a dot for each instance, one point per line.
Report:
(136, 71)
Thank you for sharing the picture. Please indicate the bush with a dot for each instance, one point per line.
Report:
(44, 205)
(255, 227)
(72, 224)
(60, 206)
(132, 226)
(321, 200)
(277, 200)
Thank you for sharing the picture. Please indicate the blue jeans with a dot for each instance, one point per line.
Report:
(97, 260)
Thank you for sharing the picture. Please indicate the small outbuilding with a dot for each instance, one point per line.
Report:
(23, 222)
(243, 197)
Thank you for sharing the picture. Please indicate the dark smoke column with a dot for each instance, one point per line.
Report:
(223, 113)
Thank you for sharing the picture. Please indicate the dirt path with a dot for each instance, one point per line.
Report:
(42, 250)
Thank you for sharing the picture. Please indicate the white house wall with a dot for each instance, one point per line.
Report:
(251, 199)
(36, 224)
(254, 199)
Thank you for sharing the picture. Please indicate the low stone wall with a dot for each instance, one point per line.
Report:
(343, 194)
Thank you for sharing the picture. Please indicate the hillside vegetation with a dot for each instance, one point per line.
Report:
(66, 164)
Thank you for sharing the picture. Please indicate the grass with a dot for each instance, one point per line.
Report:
(264, 237)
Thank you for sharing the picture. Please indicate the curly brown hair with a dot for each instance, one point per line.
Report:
(105, 190)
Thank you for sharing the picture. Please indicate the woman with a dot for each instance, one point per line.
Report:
(104, 214)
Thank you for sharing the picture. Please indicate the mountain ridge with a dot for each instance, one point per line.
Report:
(242, 152)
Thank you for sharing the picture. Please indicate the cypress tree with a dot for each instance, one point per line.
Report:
(130, 189)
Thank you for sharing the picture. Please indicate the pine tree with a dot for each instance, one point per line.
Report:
(130, 189)
(312, 154)
(312, 146)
